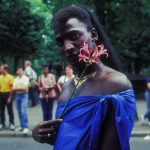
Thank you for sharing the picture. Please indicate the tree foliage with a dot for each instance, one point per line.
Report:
(25, 30)
(128, 26)
(20, 29)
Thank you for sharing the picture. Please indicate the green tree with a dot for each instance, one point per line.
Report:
(127, 23)
(20, 30)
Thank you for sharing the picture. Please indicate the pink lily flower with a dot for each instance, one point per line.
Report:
(89, 56)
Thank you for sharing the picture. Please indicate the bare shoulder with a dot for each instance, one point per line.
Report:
(112, 82)
(119, 81)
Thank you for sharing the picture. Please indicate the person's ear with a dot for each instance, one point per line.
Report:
(94, 34)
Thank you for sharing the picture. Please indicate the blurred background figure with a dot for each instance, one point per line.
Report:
(46, 83)
(0, 103)
(64, 78)
(33, 93)
(147, 98)
(20, 87)
(6, 82)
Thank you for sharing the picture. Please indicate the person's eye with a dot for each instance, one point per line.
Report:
(75, 36)
(60, 42)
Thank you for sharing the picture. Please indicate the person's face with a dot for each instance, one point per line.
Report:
(71, 39)
(0, 70)
(19, 71)
(25, 64)
(69, 71)
(3, 70)
(45, 70)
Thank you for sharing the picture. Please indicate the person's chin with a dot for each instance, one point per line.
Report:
(76, 64)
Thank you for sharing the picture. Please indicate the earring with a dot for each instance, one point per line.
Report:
(94, 43)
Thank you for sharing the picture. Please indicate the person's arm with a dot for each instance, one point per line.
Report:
(109, 136)
(52, 78)
(59, 87)
(11, 89)
(148, 85)
(59, 82)
(40, 85)
(27, 72)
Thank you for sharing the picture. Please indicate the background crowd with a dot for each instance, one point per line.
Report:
(27, 89)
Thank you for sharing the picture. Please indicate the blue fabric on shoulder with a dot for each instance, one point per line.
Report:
(83, 118)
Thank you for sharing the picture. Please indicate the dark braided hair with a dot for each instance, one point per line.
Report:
(90, 20)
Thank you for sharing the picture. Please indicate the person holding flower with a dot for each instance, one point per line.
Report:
(96, 110)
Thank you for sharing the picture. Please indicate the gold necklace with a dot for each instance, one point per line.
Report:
(78, 82)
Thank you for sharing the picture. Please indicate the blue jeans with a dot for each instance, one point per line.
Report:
(22, 106)
(147, 98)
(47, 108)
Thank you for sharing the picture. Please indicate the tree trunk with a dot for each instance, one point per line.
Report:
(100, 10)
(2, 60)
(16, 62)
(137, 65)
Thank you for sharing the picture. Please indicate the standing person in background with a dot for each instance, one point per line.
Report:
(147, 98)
(29, 72)
(6, 82)
(63, 79)
(47, 95)
(20, 87)
(0, 102)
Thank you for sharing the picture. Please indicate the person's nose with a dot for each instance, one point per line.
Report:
(68, 45)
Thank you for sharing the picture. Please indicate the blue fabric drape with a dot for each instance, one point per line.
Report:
(83, 118)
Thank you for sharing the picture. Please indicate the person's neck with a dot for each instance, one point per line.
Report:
(4, 74)
(69, 76)
(27, 66)
(90, 69)
(20, 75)
(45, 74)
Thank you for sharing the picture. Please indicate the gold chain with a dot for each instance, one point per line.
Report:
(81, 81)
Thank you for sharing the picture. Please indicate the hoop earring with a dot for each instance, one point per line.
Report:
(94, 43)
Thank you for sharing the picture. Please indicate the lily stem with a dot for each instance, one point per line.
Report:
(72, 93)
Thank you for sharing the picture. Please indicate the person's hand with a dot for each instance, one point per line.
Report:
(8, 100)
(148, 85)
(46, 131)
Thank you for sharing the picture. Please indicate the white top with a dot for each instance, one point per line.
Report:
(63, 79)
(30, 73)
(21, 82)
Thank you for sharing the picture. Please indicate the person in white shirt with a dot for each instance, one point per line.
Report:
(33, 92)
(20, 87)
(65, 78)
